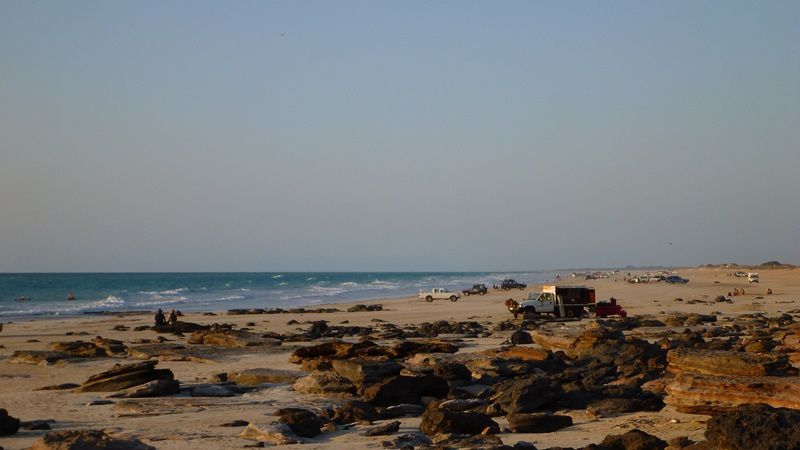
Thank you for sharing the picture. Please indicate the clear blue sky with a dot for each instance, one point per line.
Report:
(188, 135)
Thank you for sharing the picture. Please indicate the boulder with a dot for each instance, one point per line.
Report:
(8, 425)
(437, 421)
(755, 427)
(361, 308)
(355, 411)
(302, 421)
(110, 346)
(125, 376)
(277, 434)
(699, 394)
(404, 389)
(405, 349)
(255, 377)
(362, 371)
(177, 328)
(231, 339)
(537, 422)
(609, 407)
(523, 353)
(523, 395)
(325, 383)
(167, 351)
(383, 429)
(726, 363)
(632, 440)
(86, 440)
(521, 337)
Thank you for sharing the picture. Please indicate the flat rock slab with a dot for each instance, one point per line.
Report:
(232, 339)
(36, 357)
(701, 394)
(725, 363)
(125, 376)
(255, 377)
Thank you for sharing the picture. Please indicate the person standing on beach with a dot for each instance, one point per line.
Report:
(160, 321)
(173, 317)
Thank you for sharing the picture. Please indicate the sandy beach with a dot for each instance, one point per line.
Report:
(182, 421)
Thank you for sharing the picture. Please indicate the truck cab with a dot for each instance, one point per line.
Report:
(561, 301)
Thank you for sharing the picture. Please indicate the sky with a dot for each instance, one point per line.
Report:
(397, 136)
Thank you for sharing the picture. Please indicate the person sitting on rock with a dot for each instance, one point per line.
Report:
(173, 317)
(160, 320)
(769, 292)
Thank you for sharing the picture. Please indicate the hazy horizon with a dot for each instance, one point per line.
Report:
(376, 136)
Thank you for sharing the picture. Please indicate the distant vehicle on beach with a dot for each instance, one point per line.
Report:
(675, 279)
(476, 289)
(752, 277)
(740, 274)
(512, 284)
(439, 294)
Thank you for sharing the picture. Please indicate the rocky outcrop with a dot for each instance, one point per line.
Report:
(726, 363)
(438, 421)
(8, 425)
(325, 383)
(125, 376)
(700, 394)
(86, 440)
(578, 343)
(231, 339)
(754, 427)
(302, 421)
(521, 337)
(335, 350)
(362, 308)
(537, 422)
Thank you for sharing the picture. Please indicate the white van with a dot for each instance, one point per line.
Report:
(752, 277)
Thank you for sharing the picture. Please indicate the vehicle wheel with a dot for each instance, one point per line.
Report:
(466, 293)
(429, 299)
(569, 313)
(453, 298)
(483, 293)
(521, 288)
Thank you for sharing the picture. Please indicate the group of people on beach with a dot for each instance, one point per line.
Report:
(162, 321)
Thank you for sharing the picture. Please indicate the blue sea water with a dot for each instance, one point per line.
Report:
(220, 291)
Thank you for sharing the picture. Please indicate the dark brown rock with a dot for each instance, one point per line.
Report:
(383, 429)
(403, 389)
(537, 422)
(437, 421)
(302, 421)
(362, 371)
(523, 395)
(632, 440)
(8, 425)
(755, 427)
(355, 411)
(78, 349)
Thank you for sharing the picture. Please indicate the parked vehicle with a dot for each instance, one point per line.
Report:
(752, 277)
(561, 301)
(609, 308)
(740, 274)
(476, 289)
(512, 284)
(439, 294)
(675, 279)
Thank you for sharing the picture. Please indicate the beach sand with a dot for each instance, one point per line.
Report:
(186, 422)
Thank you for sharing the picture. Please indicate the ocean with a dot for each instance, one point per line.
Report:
(45, 294)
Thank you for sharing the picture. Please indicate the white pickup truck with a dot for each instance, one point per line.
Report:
(439, 294)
